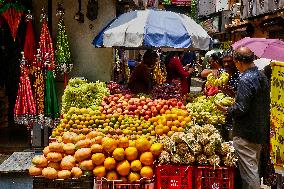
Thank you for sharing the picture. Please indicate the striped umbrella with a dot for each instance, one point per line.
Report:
(153, 28)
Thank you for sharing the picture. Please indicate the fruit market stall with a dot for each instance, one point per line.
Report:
(121, 140)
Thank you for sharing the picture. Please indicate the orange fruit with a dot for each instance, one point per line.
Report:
(146, 172)
(123, 142)
(123, 168)
(156, 149)
(98, 158)
(112, 175)
(147, 158)
(136, 165)
(110, 163)
(109, 145)
(132, 177)
(142, 144)
(131, 153)
(118, 154)
(99, 171)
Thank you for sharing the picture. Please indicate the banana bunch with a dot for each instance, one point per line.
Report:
(226, 101)
(219, 81)
(159, 77)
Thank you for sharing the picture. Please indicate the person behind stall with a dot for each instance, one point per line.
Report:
(215, 63)
(140, 80)
(188, 59)
(229, 67)
(250, 114)
(176, 71)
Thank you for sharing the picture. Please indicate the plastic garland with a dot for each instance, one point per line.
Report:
(25, 107)
(62, 52)
(6, 6)
(193, 10)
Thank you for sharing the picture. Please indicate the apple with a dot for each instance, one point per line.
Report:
(148, 112)
(146, 117)
(165, 107)
(158, 107)
(180, 104)
(145, 107)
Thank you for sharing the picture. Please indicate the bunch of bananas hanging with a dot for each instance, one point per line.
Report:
(159, 76)
(217, 81)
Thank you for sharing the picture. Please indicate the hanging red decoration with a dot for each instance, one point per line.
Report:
(30, 46)
(46, 45)
(13, 18)
(25, 108)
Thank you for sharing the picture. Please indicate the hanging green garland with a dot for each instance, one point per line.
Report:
(193, 10)
(62, 52)
(6, 6)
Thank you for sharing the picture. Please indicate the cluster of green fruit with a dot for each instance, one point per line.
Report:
(80, 93)
(204, 110)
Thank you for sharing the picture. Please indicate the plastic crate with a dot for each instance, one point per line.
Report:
(103, 183)
(174, 177)
(72, 183)
(208, 177)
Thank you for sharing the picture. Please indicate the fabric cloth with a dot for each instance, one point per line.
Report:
(176, 71)
(234, 80)
(248, 162)
(250, 112)
(140, 80)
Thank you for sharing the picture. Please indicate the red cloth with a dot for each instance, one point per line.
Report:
(176, 71)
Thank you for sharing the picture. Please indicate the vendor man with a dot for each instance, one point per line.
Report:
(140, 80)
(250, 114)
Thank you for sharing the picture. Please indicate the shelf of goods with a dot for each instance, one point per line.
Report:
(126, 141)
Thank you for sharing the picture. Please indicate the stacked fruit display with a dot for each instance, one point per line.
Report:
(204, 110)
(200, 145)
(80, 93)
(141, 107)
(93, 153)
(85, 120)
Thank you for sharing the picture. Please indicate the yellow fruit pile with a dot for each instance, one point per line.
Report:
(104, 157)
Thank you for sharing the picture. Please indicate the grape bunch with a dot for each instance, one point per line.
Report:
(204, 110)
(80, 93)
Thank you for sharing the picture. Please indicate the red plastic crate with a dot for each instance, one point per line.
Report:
(174, 177)
(208, 177)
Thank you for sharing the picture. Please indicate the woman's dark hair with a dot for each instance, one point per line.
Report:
(171, 54)
(217, 57)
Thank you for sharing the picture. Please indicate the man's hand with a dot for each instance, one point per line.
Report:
(222, 108)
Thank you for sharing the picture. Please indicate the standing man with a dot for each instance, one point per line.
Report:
(250, 114)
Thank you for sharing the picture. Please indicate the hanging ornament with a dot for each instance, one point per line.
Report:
(25, 108)
(29, 47)
(39, 86)
(51, 109)
(13, 18)
(193, 10)
(62, 52)
(45, 43)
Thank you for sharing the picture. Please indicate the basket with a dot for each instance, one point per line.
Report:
(174, 177)
(208, 177)
(103, 183)
(73, 183)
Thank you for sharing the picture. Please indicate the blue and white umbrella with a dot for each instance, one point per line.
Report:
(153, 28)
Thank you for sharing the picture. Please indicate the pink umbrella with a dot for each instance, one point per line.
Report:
(263, 48)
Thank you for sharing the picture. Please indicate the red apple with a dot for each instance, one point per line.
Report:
(146, 117)
(139, 107)
(145, 107)
(165, 107)
(158, 107)
(180, 104)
